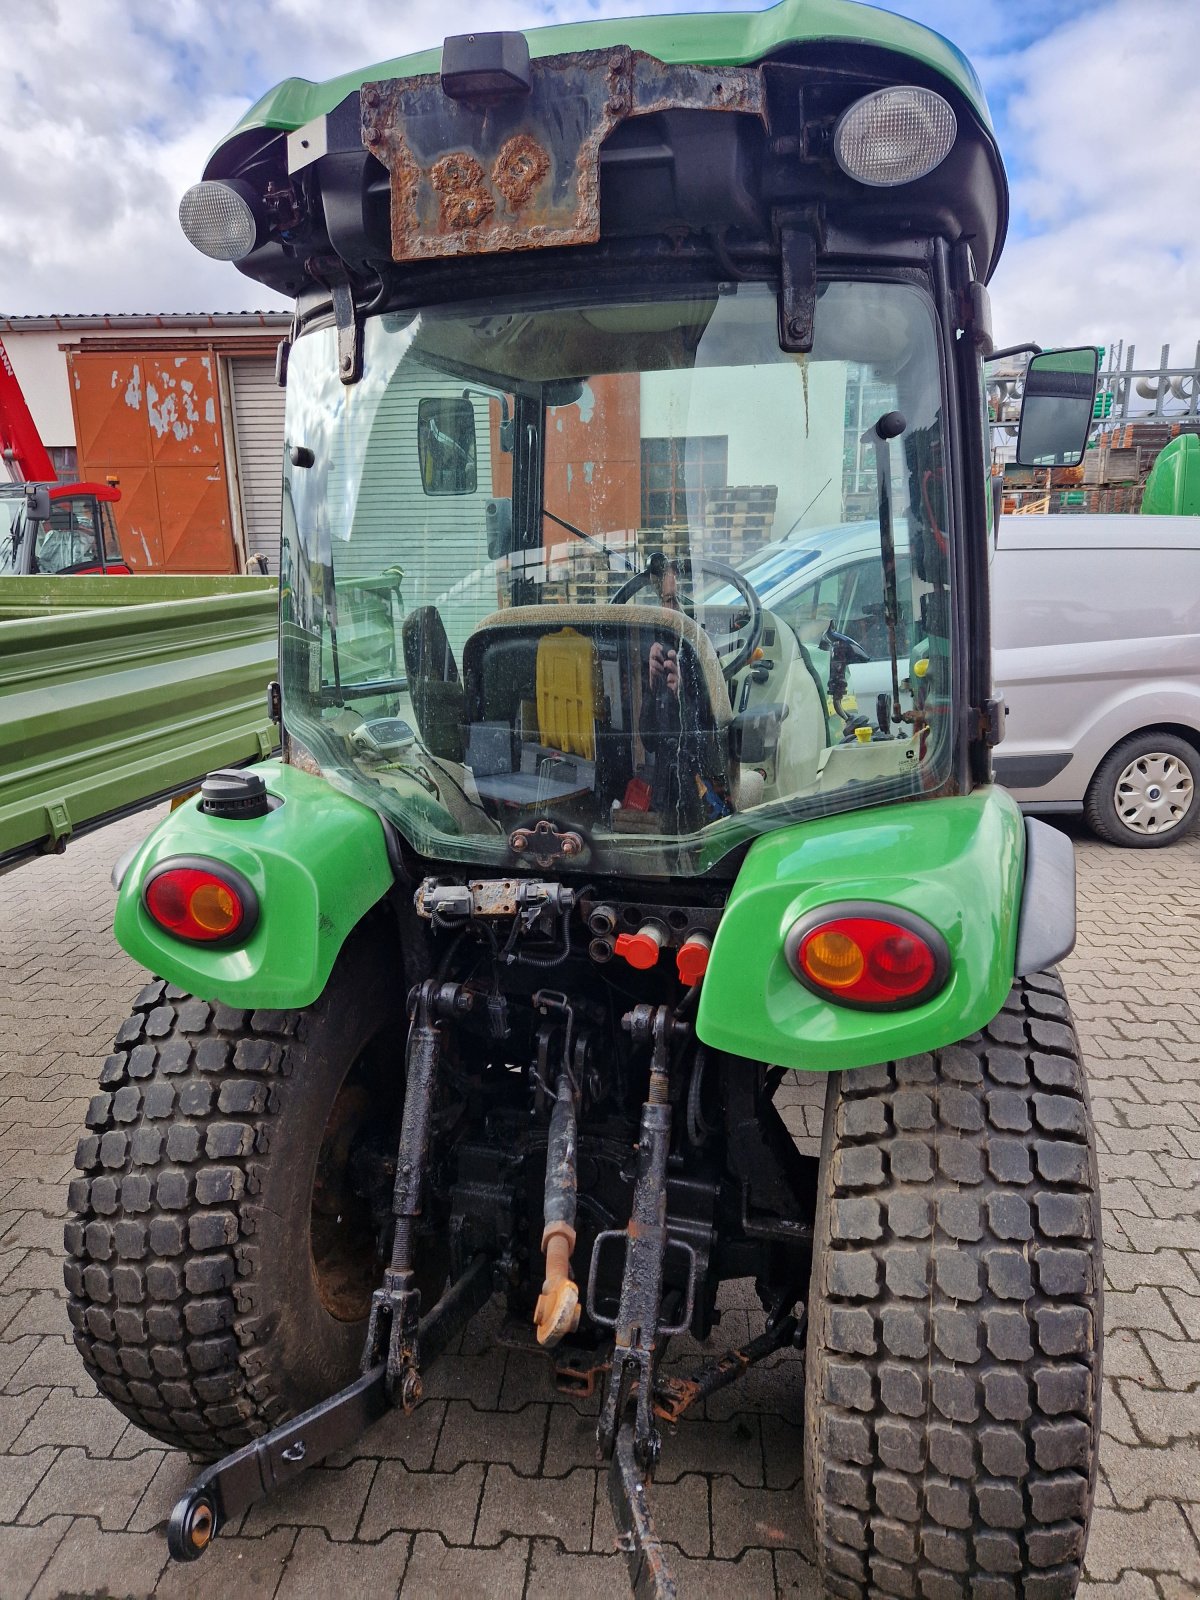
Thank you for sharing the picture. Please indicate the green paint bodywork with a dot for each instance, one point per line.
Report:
(957, 862)
(116, 690)
(318, 863)
(724, 38)
(1173, 487)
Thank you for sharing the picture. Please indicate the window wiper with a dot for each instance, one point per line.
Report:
(890, 426)
(595, 543)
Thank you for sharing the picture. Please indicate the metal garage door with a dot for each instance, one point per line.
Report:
(258, 433)
(150, 418)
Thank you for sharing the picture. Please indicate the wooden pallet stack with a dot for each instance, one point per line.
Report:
(738, 520)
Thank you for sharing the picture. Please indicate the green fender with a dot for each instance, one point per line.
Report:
(956, 862)
(318, 862)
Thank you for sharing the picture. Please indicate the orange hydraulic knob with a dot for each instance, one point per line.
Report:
(691, 959)
(641, 949)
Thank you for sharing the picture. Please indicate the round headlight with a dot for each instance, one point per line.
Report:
(894, 136)
(219, 219)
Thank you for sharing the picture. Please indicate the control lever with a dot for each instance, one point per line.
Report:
(843, 652)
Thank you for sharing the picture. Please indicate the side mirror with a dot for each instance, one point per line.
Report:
(1056, 410)
(497, 517)
(37, 502)
(446, 446)
(562, 392)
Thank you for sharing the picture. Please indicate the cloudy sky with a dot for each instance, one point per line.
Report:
(108, 109)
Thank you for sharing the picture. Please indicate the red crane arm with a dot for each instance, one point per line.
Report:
(24, 454)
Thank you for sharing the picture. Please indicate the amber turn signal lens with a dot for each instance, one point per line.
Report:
(867, 960)
(833, 959)
(194, 902)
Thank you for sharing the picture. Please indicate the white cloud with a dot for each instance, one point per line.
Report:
(1103, 121)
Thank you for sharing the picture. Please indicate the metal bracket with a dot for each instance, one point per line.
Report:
(800, 240)
(349, 332)
(989, 721)
(329, 271)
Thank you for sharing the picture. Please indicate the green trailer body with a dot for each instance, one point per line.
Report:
(115, 692)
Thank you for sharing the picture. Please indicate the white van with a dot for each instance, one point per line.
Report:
(1096, 639)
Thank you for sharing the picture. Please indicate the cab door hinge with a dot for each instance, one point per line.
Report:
(989, 721)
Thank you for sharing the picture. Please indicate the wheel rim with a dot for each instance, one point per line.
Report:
(1154, 793)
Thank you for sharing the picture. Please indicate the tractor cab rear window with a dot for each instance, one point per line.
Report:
(574, 549)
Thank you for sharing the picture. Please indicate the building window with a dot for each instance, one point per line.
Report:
(675, 473)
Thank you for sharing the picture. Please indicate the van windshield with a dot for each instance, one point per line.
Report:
(543, 565)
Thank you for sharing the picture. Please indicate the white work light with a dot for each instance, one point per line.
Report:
(894, 136)
(219, 219)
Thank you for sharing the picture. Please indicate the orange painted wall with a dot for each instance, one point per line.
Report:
(593, 467)
(152, 419)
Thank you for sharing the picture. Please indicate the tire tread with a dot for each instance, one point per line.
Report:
(954, 1356)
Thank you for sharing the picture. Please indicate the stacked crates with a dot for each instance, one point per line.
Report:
(738, 521)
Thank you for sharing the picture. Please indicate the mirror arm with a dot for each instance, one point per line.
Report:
(491, 394)
(1015, 350)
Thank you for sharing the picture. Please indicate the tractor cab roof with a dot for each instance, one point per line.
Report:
(351, 167)
(733, 38)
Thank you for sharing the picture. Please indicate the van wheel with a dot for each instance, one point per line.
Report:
(1144, 792)
(952, 1407)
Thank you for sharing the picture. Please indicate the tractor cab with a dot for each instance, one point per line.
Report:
(580, 333)
(59, 529)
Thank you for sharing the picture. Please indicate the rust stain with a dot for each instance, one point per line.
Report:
(519, 169)
(462, 185)
(458, 180)
(406, 176)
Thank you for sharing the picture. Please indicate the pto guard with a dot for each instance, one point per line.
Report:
(957, 862)
(317, 862)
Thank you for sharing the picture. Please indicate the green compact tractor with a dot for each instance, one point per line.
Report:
(577, 851)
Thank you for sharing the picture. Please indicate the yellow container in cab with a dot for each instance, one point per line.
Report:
(567, 693)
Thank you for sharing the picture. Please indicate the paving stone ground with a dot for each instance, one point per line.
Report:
(492, 1488)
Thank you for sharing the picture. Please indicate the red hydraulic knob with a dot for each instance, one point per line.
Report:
(641, 949)
(691, 959)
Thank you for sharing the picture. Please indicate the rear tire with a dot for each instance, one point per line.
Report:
(953, 1395)
(219, 1266)
(1146, 793)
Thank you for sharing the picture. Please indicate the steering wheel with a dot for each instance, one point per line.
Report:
(720, 569)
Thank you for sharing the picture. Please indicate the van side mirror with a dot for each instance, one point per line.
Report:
(37, 502)
(446, 446)
(1056, 409)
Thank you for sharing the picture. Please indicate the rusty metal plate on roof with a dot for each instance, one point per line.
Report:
(523, 173)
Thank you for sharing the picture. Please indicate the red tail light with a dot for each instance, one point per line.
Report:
(869, 956)
(200, 901)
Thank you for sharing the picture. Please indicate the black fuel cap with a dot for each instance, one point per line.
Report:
(234, 793)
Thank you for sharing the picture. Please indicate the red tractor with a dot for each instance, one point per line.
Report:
(47, 527)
